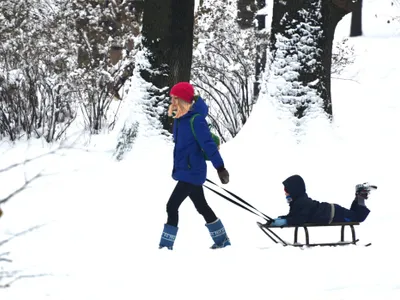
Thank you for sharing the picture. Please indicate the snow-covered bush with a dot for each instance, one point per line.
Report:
(342, 56)
(223, 68)
(62, 59)
(105, 33)
(36, 90)
(126, 138)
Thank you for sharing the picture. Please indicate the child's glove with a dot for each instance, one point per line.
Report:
(279, 222)
(223, 175)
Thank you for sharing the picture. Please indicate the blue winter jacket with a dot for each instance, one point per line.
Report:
(302, 208)
(189, 163)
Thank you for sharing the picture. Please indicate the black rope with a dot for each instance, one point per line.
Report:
(259, 213)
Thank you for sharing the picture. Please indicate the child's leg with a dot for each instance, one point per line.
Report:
(357, 213)
(359, 208)
(343, 214)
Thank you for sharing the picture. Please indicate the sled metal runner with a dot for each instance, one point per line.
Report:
(269, 231)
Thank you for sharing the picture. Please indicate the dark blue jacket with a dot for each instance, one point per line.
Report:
(189, 163)
(302, 208)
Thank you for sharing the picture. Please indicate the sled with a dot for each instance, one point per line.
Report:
(269, 231)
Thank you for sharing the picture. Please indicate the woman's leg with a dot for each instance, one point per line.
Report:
(213, 224)
(199, 201)
(179, 194)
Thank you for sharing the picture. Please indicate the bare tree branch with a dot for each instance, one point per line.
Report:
(3, 257)
(349, 79)
(3, 242)
(12, 166)
(14, 277)
(21, 188)
(223, 68)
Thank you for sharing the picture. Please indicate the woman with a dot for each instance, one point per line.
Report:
(190, 168)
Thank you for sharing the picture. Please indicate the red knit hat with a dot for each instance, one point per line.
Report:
(183, 90)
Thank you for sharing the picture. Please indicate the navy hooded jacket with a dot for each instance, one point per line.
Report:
(302, 208)
(189, 163)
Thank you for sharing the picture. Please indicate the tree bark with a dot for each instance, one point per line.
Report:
(261, 47)
(356, 20)
(157, 18)
(181, 40)
(137, 6)
(168, 35)
(301, 39)
(246, 10)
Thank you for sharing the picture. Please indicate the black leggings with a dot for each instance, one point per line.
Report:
(196, 194)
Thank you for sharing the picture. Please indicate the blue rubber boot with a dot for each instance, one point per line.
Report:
(168, 236)
(218, 234)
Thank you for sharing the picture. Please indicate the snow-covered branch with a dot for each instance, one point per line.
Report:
(7, 278)
(223, 67)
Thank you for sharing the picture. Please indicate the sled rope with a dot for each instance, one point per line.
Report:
(256, 211)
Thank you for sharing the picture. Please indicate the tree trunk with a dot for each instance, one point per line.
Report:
(181, 40)
(356, 20)
(137, 6)
(246, 10)
(261, 47)
(168, 35)
(157, 18)
(301, 40)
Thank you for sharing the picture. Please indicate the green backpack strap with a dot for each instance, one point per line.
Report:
(194, 133)
(192, 126)
(216, 139)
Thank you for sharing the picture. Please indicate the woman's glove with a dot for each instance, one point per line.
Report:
(223, 175)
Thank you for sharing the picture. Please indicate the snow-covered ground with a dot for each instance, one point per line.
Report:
(102, 219)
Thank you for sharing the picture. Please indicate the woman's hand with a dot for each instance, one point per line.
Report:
(223, 175)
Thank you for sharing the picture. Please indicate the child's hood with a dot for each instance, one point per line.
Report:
(295, 186)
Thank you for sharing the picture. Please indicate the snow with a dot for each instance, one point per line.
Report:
(103, 219)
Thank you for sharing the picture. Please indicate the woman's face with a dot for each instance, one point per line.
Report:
(178, 106)
(174, 100)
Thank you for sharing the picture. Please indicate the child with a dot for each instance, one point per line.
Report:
(306, 210)
(190, 168)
